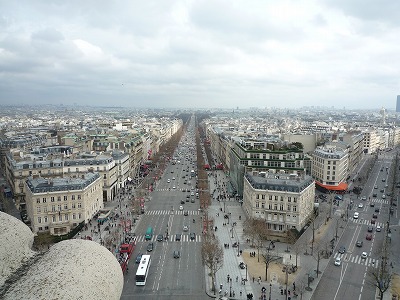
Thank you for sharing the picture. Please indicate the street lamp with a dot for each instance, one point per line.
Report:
(270, 287)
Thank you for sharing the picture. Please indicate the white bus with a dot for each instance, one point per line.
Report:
(143, 270)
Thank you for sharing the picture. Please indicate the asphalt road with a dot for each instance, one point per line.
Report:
(169, 277)
(351, 279)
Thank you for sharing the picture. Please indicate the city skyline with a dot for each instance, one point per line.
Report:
(191, 54)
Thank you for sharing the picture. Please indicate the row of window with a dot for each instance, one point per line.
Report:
(276, 198)
(53, 199)
(275, 206)
(39, 209)
(59, 218)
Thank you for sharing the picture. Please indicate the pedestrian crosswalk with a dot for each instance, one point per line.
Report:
(368, 222)
(383, 201)
(171, 238)
(175, 212)
(172, 189)
(357, 259)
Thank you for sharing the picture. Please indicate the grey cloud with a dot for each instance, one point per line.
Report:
(386, 11)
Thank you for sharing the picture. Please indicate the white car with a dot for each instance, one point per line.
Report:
(169, 180)
(185, 228)
(338, 261)
(174, 187)
(378, 228)
(360, 205)
(364, 255)
(356, 214)
(181, 207)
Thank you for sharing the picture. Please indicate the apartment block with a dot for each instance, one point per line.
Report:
(284, 201)
(58, 205)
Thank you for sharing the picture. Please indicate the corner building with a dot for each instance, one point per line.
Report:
(58, 205)
(284, 201)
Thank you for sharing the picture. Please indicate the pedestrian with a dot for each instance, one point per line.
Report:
(237, 278)
(240, 293)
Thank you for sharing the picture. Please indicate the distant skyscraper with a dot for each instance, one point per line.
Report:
(398, 104)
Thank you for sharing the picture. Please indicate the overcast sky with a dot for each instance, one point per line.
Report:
(203, 53)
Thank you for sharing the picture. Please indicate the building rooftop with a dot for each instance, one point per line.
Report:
(279, 182)
(42, 185)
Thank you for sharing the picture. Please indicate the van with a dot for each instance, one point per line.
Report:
(149, 233)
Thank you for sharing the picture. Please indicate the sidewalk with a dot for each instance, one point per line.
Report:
(306, 262)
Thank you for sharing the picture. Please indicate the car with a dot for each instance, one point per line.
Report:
(187, 196)
(342, 249)
(374, 195)
(185, 228)
(372, 204)
(192, 236)
(383, 180)
(180, 207)
(375, 187)
(192, 200)
(373, 221)
(169, 180)
(368, 237)
(356, 214)
(177, 254)
(370, 229)
(160, 237)
(364, 255)
(374, 216)
(382, 190)
(359, 243)
(364, 198)
(378, 228)
(338, 261)
(360, 205)
(174, 187)
(377, 209)
(173, 178)
(186, 213)
(182, 201)
(178, 237)
(150, 247)
(242, 265)
(138, 258)
(383, 196)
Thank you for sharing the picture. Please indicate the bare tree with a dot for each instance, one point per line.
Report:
(379, 278)
(298, 247)
(212, 256)
(269, 257)
(318, 255)
(256, 230)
